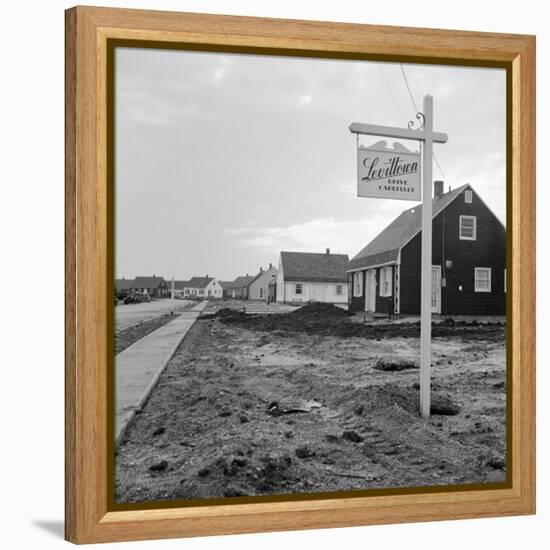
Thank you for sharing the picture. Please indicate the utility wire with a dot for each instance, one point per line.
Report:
(416, 111)
(408, 88)
(401, 117)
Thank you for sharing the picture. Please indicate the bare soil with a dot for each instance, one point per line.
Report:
(294, 403)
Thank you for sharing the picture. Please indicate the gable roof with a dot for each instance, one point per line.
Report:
(242, 281)
(200, 282)
(123, 284)
(314, 267)
(385, 247)
(147, 282)
(179, 285)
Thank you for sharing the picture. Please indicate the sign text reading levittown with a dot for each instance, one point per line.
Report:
(388, 173)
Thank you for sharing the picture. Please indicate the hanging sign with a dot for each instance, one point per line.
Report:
(388, 173)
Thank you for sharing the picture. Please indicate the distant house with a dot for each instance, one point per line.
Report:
(123, 287)
(154, 286)
(226, 289)
(239, 287)
(203, 287)
(468, 260)
(179, 288)
(312, 277)
(259, 286)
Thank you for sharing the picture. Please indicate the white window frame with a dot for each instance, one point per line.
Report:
(386, 278)
(468, 196)
(298, 289)
(358, 284)
(462, 237)
(487, 270)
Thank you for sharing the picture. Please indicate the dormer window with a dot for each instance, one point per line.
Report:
(467, 228)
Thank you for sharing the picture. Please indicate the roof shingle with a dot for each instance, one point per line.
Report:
(386, 245)
(314, 267)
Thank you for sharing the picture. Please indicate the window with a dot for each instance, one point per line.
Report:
(298, 288)
(385, 281)
(358, 283)
(468, 196)
(467, 231)
(482, 279)
(339, 290)
(261, 292)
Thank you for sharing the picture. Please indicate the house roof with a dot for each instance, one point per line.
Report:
(242, 281)
(314, 267)
(180, 285)
(386, 245)
(200, 282)
(123, 284)
(225, 284)
(147, 282)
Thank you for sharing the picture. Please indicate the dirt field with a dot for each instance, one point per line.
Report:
(312, 401)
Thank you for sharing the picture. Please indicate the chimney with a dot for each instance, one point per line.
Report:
(270, 265)
(438, 189)
(328, 251)
(261, 269)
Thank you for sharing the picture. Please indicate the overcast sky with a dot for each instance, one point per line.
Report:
(224, 160)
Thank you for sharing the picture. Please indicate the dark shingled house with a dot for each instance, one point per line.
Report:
(154, 286)
(312, 277)
(468, 260)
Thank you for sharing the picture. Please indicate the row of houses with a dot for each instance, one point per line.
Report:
(468, 267)
(153, 286)
(468, 263)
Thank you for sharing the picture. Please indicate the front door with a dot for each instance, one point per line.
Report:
(436, 289)
(370, 291)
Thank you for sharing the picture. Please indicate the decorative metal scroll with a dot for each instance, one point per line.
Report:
(421, 118)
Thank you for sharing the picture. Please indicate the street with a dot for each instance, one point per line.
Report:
(132, 314)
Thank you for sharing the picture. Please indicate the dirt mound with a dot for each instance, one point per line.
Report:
(394, 365)
(315, 310)
(328, 320)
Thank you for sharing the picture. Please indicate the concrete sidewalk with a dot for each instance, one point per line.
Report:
(138, 368)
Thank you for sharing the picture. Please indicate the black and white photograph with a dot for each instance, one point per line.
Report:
(276, 330)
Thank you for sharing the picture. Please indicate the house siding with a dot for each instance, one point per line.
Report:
(258, 289)
(357, 303)
(488, 250)
(311, 292)
(383, 304)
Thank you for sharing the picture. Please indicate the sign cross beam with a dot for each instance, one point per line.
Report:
(393, 132)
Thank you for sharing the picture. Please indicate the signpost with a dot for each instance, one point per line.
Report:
(426, 135)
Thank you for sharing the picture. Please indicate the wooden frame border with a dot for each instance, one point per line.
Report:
(86, 501)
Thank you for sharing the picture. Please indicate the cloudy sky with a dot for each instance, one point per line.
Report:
(224, 160)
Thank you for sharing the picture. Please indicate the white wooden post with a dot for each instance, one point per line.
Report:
(426, 270)
(428, 137)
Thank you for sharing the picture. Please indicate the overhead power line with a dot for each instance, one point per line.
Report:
(401, 117)
(416, 111)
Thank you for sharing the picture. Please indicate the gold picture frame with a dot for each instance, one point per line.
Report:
(91, 36)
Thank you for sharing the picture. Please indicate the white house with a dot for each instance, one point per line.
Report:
(203, 287)
(258, 288)
(312, 277)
